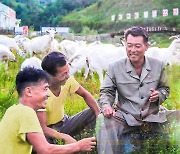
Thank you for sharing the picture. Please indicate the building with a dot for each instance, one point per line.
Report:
(7, 18)
(59, 30)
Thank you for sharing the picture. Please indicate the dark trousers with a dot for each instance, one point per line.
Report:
(75, 124)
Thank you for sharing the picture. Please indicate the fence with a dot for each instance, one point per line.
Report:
(170, 30)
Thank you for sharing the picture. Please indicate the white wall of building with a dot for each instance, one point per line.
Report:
(60, 30)
(7, 17)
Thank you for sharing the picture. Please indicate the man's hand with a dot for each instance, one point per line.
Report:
(154, 95)
(108, 112)
(87, 144)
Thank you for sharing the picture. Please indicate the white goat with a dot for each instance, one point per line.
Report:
(94, 43)
(68, 47)
(5, 55)
(20, 39)
(54, 45)
(175, 59)
(164, 54)
(98, 58)
(40, 45)
(11, 43)
(32, 62)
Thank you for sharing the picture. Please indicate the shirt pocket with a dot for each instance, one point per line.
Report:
(127, 88)
(151, 82)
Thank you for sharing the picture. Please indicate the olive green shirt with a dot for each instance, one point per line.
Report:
(134, 91)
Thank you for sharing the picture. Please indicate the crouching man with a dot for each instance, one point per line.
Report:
(20, 129)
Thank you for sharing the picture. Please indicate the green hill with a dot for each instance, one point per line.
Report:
(34, 15)
(98, 15)
(95, 14)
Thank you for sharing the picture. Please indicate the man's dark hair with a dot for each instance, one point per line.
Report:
(52, 61)
(137, 31)
(29, 76)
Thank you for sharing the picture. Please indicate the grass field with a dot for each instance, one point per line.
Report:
(74, 104)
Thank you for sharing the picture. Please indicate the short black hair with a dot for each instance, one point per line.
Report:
(137, 31)
(52, 61)
(29, 76)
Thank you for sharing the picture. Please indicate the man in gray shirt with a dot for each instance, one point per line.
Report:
(141, 84)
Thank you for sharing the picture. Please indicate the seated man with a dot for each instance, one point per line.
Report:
(141, 83)
(61, 84)
(20, 129)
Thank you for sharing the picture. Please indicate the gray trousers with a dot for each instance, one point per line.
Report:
(75, 124)
(114, 137)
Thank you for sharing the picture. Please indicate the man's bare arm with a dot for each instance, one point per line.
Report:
(89, 99)
(49, 132)
(41, 146)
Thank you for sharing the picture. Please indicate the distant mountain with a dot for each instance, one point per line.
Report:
(95, 14)
(36, 13)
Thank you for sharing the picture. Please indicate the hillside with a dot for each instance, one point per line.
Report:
(103, 9)
(94, 14)
(101, 12)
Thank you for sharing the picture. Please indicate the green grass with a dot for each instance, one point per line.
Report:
(173, 102)
(75, 104)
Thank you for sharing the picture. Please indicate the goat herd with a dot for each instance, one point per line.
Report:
(93, 57)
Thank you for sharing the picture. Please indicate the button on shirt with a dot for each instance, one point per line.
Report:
(134, 91)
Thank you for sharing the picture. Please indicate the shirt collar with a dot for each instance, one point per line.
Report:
(146, 65)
